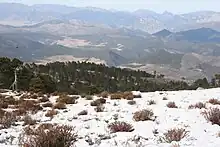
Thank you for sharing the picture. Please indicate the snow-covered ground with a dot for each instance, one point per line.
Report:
(90, 127)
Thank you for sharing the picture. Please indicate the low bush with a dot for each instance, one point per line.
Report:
(171, 105)
(137, 95)
(98, 102)
(143, 115)
(59, 105)
(66, 99)
(7, 119)
(212, 115)
(44, 99)
(89, 97)
(48, 104)
(55, 136)
(214, 101)
(165, 98)
(120, 127)
(99, 108)
(128, 95)
(84, 112)
(132, 102)
(151, 102)
(29, 121)
(30, 105)
(104, 94)
(51, 113)
(116, 96)
(20, 112)
(174, 135)
(199, 105)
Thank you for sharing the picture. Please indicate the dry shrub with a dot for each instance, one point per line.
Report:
(99, 108)
(165, 98)
(55, 136)
(46, 126)
(137, 96)
(83, 95)
(98, 102)
(7, 119)
(212, 115)
(29, 121)
(44, 99)
(48, 104)
(175, 145)
(24, 96)
(34, 96)
(128, 95)
(30, 105)
(102, 100)
(143, 115)
(6, 101)
(10, 100)
(40, 94)
(104, 94)
(151, 102)
(132, 102)
(214, 101)
(59, 106)
(198, 105)
(3, 104)
(20, 112)
(218, 134)
(174, 135)
(55, 93)
(89, 97)
(84, 112)
(120, 127)
(3, 90)
(51, 113)
(116, 96)
(171, 105)
(66, 99)
(2, 112)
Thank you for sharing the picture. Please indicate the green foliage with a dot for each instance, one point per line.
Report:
(84, 78)
(201, 83)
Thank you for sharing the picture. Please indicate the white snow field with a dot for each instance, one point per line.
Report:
(93, 126)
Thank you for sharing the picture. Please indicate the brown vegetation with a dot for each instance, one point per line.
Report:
(98, 102)
(55, 136)
(212, 115)
(66, 99)
(214, 101)
(151, 102)
(59, 105)
(174, 135)
(29, 121)
(132, 102)
(143, 115)
(171, 105)
(51, 113)
(48, 104)
(120, 127)
(198, 105)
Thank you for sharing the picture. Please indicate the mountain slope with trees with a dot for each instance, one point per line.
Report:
(81, 78)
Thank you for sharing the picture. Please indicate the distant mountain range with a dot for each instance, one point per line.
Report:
(194, 35)
(139, 40)
(144, 20)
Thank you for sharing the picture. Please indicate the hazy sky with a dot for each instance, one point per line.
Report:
(175, 6)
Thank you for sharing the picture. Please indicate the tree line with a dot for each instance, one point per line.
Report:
(86, 78)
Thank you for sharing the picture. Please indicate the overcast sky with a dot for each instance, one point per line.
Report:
(174, 6)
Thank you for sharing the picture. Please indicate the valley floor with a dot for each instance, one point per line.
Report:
(93, 127)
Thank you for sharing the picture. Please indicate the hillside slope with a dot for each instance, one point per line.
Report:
(92, 126)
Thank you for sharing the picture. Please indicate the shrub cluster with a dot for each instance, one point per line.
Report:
(48, 136)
